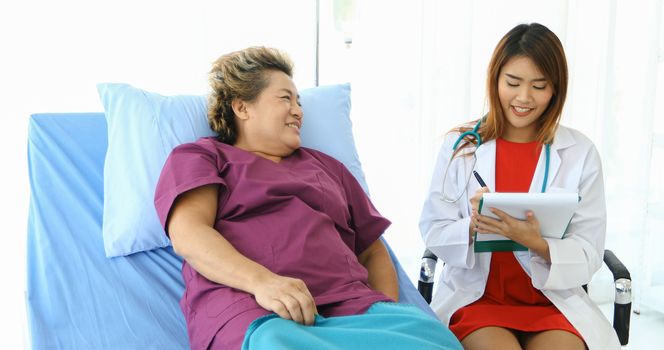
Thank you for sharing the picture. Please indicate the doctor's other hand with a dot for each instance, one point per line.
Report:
(525, 232)
(287, 297)
(475, 204)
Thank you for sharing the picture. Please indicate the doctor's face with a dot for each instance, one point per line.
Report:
(524, 95)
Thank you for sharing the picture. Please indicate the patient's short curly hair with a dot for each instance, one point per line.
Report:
(240, 74)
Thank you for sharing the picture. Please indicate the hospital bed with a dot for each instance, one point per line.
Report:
(77, 298)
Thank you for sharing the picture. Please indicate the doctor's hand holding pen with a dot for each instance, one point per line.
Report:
(475, 204)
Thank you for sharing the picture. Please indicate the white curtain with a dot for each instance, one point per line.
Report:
(418, 69)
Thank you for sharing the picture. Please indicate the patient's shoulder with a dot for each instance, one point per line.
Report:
(203, 144)
(210, 145)
(207, 150)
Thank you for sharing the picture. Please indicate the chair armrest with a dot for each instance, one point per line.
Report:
(427, 274)
(616, 266)
(622, 306)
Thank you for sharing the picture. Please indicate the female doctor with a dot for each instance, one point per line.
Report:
(530, 298)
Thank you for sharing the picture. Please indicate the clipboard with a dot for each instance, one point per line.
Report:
(553, 211)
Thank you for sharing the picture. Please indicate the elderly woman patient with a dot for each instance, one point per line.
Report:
(280, 243)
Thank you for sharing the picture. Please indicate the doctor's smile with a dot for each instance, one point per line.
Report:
(521, 111)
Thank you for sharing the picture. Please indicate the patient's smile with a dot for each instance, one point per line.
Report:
(295, 126)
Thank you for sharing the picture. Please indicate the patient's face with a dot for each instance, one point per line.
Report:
(273, 120)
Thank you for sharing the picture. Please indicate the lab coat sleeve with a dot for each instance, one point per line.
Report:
(444, 226)
(579, 255)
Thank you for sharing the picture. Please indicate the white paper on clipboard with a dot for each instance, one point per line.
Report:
(553, 210)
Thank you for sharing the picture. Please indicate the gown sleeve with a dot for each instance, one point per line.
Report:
(188, 166)
(366, 221)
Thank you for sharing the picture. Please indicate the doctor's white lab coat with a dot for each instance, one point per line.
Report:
(574, 167)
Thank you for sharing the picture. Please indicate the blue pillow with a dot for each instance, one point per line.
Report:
(143, 128)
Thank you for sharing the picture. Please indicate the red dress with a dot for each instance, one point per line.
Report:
(510, 300)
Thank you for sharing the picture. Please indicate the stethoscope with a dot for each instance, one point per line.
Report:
(474, 133)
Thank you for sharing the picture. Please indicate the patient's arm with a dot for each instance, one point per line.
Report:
(382, 276)
(192, 232)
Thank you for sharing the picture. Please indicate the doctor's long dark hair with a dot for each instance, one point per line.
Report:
(543, 47)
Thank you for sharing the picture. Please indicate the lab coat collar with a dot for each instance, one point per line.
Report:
(562, 139)
(486, 160)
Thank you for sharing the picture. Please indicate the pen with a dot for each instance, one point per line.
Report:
(479, 179)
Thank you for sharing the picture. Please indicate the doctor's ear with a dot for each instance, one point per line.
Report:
(240, 108)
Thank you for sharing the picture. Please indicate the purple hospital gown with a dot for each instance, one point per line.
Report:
(305, 217)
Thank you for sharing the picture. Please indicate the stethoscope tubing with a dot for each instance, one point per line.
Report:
(476, 135)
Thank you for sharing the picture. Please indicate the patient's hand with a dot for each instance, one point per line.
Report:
(287, 297)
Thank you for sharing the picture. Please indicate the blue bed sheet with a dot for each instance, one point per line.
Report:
(77, 298)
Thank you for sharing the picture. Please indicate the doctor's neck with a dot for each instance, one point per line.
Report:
(520, 134)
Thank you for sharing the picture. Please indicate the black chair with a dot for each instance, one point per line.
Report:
(623, 289)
